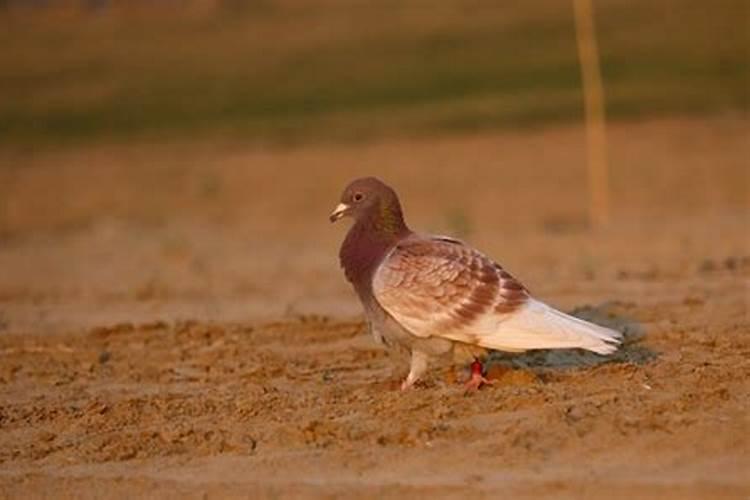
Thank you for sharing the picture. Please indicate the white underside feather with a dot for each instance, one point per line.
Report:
(536, 325)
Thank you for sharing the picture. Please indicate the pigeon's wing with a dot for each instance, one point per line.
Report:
(441, 287)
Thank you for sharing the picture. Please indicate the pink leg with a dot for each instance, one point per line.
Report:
(477, 380)
(417, 369)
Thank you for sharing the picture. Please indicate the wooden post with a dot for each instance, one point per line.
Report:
(596, 132)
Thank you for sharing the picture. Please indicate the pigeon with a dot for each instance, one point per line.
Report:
(435, 296)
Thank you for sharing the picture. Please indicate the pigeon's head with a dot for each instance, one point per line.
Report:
(367, 197)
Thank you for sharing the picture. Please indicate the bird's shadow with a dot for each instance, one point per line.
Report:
(604, 314)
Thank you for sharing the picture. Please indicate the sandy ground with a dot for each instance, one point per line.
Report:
(173, 322)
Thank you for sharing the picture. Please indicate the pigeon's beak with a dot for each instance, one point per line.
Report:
(339, 212)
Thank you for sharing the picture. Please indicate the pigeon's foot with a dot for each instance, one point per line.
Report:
(477, 379)
(417, 369)
(407, 384)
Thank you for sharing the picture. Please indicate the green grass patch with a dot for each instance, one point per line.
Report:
(275, 71)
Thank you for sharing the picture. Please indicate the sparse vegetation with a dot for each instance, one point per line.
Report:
(283, 71)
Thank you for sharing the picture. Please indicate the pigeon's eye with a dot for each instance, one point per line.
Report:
(358, 196)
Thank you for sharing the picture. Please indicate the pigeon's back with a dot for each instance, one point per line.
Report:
(440, 287)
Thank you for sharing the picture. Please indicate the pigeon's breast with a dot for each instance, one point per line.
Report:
(360, 255)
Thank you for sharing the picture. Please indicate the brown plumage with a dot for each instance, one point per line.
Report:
(434, 295)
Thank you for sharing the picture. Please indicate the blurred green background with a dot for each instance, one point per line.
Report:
(290, 71)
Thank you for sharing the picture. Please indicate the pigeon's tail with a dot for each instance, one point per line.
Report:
(539, 326)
